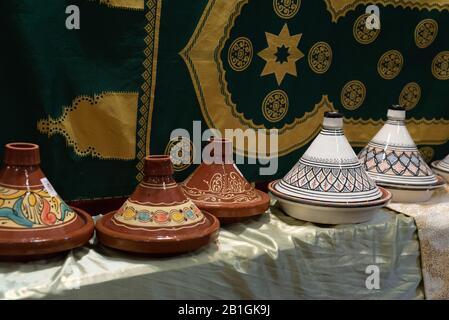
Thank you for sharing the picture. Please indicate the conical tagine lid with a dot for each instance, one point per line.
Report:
(391, 158)
(219, 187)
(329, 170)
(33, 217)
(157, 217)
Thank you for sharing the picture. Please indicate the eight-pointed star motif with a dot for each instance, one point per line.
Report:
(283, 44)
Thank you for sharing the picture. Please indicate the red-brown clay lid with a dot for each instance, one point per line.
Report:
(157, 218)
(32, 215)
(22, 154)
(219, 187)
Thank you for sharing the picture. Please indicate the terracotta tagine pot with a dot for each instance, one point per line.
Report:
(392, 159)
(34, 221)
(441, 167)
(328, 184)
(157, 218)
(218, 186)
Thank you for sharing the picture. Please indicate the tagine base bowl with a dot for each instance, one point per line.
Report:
(442, 173)
(237, 212)
(329, 213)
(16, 245)
(413, 194)
(156, 243)
(410, 196)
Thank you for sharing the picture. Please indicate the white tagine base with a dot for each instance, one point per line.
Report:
(412, 194)
(329, 213)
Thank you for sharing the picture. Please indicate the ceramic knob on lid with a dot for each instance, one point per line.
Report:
(22, 154)
(21, 165)
(333, 120)
(396, 113)
(159, 165)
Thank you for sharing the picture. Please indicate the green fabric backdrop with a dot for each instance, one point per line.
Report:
(132, 61)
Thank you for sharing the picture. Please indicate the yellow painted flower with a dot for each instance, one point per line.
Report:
(32, 200)
(129, 213)
(177, 216)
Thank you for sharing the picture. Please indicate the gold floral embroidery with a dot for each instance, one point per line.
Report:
(410, 95)
(275, 105)
(425, 33)
(440, 66)
(240, 53)
(390, 64)
(361, 33)
(281, 54)
(286, 9)
(320, 57)
(353, 94)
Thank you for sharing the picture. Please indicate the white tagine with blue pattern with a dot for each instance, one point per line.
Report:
(392, 159)
(328, 184)
(329, 170)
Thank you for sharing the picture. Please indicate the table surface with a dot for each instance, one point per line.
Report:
(270, 257)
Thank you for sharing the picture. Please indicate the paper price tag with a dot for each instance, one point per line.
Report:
(48, 187)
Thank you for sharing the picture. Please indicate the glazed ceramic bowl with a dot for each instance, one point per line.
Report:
(392, 159)
(441, 167)
(218, 186)
(34, 221)
(157, 218)
(329, 175)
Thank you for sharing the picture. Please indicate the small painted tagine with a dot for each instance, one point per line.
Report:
(442, 167)
(328, 184)
(392, 159)
(157, 218)
(34, 221)
(218, 186)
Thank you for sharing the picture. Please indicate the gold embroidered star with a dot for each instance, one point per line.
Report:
(281, 54)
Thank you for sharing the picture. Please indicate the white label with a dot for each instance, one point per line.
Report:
(48, 187)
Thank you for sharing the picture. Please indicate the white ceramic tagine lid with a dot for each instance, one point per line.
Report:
(329, 170)
(442, 165)
(392, 159)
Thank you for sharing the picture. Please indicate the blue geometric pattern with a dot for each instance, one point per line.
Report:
(339, 180)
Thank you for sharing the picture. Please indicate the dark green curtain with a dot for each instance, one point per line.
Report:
(99, 98)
